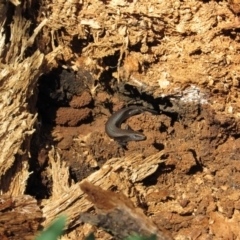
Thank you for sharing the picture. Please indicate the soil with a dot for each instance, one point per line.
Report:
(193, 194)
(67, 66)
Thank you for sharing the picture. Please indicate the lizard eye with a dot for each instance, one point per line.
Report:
(138, 137)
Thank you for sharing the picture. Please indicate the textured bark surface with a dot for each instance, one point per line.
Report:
(116, 214)
(20, 217)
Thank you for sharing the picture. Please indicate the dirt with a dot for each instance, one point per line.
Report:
(194, 193)
(68, 66)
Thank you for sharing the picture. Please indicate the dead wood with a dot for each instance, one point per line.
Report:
(116, 214)
(188, 50)
(116, 172)
(20, 217)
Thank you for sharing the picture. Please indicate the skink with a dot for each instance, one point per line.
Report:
(113, 125)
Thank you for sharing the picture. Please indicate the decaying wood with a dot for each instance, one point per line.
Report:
(18, 78)
(71, 200)
(179, 45)
(20, 217)
(116, 214)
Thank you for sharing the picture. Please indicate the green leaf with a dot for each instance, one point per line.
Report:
(54, 230)
(90, 237)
